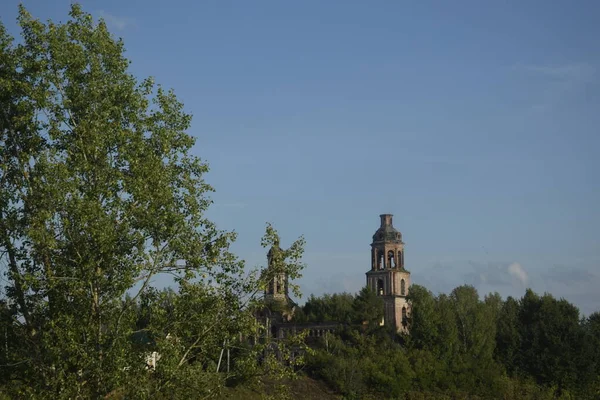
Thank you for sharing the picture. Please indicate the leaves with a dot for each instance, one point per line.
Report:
(100, 194)
(368, 307)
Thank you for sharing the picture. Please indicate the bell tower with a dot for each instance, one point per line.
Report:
(279, 308)
(277, 288)
(388, 276)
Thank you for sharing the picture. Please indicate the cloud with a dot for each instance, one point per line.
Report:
(116, 22)
(518, 272)
(577, 282)
(497, 275)
(558, 82)
(570, 278)
(507, 278)
(489, 273)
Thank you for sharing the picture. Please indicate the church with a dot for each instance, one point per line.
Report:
(387, 277)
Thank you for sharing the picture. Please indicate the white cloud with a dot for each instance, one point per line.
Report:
(114, 21)
(575, 278)
(518, 272)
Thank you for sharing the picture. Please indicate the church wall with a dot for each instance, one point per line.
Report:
(389, 312)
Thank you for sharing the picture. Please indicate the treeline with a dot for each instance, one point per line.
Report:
(460, 346)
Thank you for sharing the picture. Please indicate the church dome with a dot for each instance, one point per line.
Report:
(387, 232)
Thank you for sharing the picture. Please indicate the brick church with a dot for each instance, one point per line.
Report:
(387, 276)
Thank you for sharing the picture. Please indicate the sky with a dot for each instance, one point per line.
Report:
(477, 124)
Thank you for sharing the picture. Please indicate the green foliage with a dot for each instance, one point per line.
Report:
(463, 347)
(592, 336)
(424, 318)
(288, 261)
(99, 195)
(337, 307)
(552, 342)
(508, 336)
(368, 308)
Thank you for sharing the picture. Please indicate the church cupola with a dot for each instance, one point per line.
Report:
(387, 249)
(387, 232)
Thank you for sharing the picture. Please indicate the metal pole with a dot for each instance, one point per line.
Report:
(221, 356)
(228, 356)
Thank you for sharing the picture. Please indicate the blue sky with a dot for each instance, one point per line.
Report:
(475, 123)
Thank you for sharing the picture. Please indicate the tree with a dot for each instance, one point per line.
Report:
(368, 308)
(591, 353)
(551, 340)
(449, 346)
(99, 194)
(423, 319)
(508, 336)
(99, 191)
(329, 307)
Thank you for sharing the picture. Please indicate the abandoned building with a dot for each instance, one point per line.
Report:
(387, 276)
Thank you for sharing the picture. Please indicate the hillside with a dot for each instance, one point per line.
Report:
(301, 388)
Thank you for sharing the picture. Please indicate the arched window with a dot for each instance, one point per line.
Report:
(380, 287)
(373, 259)
(391, 259)
(381, 263)
(402, 288)
(404, 319)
